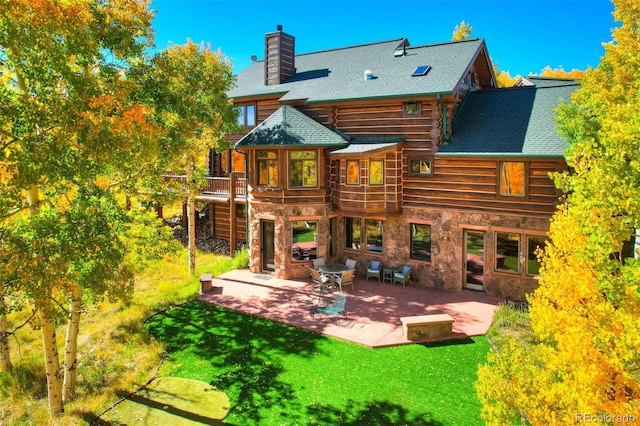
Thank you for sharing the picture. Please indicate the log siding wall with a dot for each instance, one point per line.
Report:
(472, 184)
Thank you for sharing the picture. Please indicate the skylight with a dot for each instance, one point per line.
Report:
(421, 70)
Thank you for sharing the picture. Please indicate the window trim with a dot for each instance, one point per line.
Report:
(496, 254)
(429, 173)
(347, 174)
(266, 159)
(305, 257)
(526, 267)
(411, 256)
(525, 189)
(366, 236)
(349, 238)
(316, 159)
(244, 109)
(376, 160)
(416, 113)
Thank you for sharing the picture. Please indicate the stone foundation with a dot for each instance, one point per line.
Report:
(447, 268)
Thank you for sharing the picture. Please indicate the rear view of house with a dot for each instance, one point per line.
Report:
(398, 153)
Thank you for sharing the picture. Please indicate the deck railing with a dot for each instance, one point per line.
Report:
(214, 185)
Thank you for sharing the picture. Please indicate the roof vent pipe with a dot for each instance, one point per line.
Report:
(368, 75)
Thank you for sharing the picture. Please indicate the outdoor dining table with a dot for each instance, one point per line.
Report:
(333, 270)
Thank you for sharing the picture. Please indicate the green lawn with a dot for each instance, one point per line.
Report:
(276, 374)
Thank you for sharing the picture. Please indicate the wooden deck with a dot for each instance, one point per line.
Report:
(215, 188)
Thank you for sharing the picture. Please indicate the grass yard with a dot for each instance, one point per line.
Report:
(277, 374)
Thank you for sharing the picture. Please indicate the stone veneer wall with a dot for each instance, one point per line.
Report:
(283, 215)
(447, 267)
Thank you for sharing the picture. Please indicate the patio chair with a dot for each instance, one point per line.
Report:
(350, 263)
(374, 269)
(346, 278)
(402, 274)
(318, 262)
(337, 307)
(320, 281)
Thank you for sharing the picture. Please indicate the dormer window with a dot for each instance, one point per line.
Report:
(247, 115)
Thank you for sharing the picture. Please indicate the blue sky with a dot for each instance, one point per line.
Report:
(522, 36)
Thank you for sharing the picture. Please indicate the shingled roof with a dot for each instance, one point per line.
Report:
(517, 121)
(338, 74)
(289, 127)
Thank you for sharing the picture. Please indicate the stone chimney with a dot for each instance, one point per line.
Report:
(279, 57)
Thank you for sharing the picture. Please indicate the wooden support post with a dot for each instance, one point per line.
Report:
(211, 212)
(233, 232)
(185, 221)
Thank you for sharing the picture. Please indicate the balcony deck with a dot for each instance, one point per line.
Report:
(216, 188)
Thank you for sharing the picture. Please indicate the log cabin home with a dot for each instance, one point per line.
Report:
(392, 152)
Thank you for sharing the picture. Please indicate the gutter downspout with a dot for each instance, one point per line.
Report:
(445, 135)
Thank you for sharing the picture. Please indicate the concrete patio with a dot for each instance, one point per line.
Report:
(373, 309)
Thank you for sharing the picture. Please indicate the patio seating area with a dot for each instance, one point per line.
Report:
(374, 310)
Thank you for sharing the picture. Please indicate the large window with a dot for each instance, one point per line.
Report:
(247, 115)
(352, 233)
(353, 172)
(534, 243)
(374, 235)
(303, 169)
(304, 240)
(267, 168)
(376, 172)
(421, 242)
(507, 252)
(512, 179)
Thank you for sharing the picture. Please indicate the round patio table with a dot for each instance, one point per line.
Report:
(333, 270)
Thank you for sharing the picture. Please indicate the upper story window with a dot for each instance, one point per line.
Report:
(303, 169)
(420, 167)
(512, 179)
(231, 161)
(267, 165)
(353, 172)
(247, 115)
(376, 172)
(411, 108)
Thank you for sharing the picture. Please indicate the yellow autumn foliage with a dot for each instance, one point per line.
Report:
(585, 315)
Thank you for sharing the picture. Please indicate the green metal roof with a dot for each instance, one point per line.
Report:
(289, 127)
(516, 121)
(338, 74)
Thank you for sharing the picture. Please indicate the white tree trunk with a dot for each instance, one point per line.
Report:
(191, 216)
(51, 360)
(48, 328)
(71, 344)
(5, 355)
